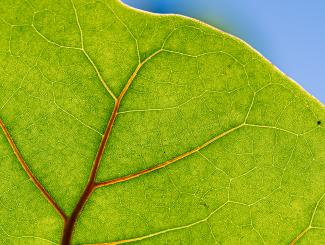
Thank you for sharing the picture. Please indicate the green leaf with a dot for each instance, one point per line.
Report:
(122, 126)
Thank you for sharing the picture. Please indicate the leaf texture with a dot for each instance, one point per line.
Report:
(120, 126)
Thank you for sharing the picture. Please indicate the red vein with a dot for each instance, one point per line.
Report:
(90, 187)
(69, 227)
(29, 172)
(165, 164)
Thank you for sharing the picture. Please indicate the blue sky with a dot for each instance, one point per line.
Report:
(290, 33)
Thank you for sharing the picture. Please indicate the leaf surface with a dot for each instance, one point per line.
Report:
(120, 126)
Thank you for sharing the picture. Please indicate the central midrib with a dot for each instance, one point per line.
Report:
(69, 223)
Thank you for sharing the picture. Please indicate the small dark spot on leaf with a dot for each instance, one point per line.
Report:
(204, 204)
(319, 122)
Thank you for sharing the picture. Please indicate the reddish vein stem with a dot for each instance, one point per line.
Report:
(91, 185)
(69, 226)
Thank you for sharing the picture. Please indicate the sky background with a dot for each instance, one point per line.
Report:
(290, 33)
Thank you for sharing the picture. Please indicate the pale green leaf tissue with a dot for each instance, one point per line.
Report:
(243, 145)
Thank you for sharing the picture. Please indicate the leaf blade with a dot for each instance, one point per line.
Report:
(198, 84)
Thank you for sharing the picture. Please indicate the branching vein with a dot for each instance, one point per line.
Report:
(166, 230)
(165, 164)
(91, 185)
(87, 55)
(310, 226)
(29, 172)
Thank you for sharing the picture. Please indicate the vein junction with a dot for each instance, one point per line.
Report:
(91, 185)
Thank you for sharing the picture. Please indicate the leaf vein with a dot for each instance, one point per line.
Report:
(29, 172)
